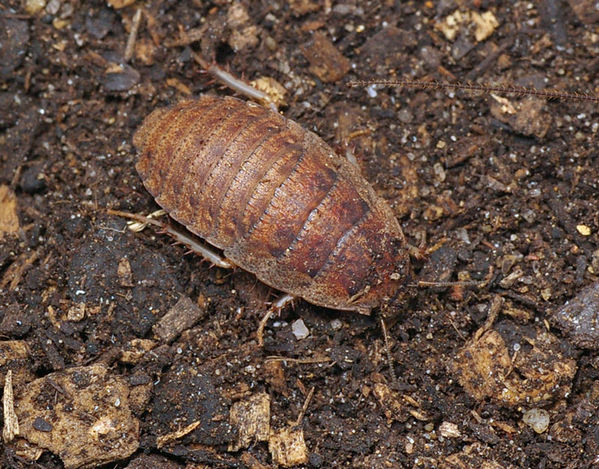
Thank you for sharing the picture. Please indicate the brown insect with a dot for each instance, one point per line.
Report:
(276, 199)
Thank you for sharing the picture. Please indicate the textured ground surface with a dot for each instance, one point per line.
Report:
(501, 189)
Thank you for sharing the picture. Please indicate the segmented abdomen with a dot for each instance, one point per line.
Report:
(275, 198)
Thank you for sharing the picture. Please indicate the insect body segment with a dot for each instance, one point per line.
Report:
(276, 199)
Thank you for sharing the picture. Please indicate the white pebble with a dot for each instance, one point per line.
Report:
(299, 329)
(336, 324)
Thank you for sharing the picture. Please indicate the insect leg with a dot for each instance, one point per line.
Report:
(207, 253)
(276, 307)
(235, 84)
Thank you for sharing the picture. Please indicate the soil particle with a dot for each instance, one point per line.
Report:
(14, 40)
(579, 318)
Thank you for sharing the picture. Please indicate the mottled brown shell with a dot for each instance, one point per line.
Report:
(276, 199)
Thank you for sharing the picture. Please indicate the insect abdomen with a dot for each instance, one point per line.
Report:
(275, 198)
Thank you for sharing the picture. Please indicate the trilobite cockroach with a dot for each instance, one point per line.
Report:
(276, 199)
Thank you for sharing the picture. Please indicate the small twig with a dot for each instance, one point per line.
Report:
(512, 360)
(142, 221)
(432, 283)
(163, 440)
(300, 361)
(132, 35)
(494, 309)
(300, 417)
(455, 328)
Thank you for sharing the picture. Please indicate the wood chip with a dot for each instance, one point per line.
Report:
(9, 221)
(179, 86)
(272, 88)
(124, 273)
(182, 316)
(76, 312)
(390, 402)
(486, 368)
(288, 447)
(326, 62)
(89, 422)
(11, 422)
(251, 417)
(118, 4)
(14, 274)
(584, 230)
(135, 350)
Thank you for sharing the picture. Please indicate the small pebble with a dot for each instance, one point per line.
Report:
(439, 172)
(336, 324)
(529, 215)
(449, 430)
(537, 419)
(299, 329)
(34, 6)
(578, 318)
(41, 425)
(584, 230)
(122, 80)
(33, 181)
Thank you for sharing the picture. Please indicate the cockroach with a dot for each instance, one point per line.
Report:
(276, 199)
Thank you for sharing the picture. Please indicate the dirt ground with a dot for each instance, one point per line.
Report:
(498, 189)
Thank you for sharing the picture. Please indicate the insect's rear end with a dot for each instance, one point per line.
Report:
(276, 199)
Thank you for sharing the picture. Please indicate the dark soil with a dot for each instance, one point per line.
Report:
(507, 198)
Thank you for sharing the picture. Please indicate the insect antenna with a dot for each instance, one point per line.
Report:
(551, 94)
(388, 354)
